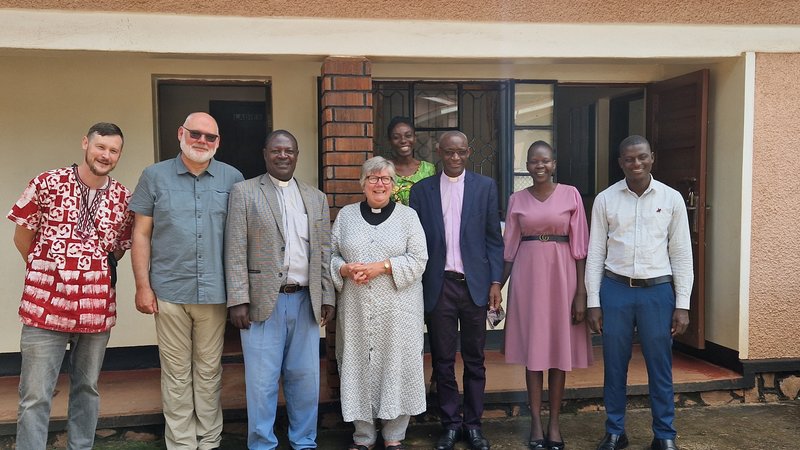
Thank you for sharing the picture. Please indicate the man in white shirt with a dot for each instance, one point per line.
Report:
(639, 249)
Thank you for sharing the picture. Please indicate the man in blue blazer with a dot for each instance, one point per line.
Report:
(459, 211)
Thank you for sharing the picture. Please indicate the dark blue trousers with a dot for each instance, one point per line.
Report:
(649, 310)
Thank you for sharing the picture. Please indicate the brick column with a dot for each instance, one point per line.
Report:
(346, 132)
(346, 128)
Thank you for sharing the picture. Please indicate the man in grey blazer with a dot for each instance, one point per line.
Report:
(277, 254)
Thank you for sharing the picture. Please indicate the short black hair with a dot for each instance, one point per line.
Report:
(105, 129)
(281, 133)
(544, 144)
(632, 140)
(397, 120)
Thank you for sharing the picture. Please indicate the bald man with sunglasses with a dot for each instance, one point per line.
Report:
(180, 207)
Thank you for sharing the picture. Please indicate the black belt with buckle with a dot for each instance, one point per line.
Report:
(547, 237)
(452, 275)
(291, 288)
(639, 282)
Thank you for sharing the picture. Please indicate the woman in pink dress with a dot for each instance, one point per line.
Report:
(546, 240)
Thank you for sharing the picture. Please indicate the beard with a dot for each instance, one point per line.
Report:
(96, 169)
(196, 155)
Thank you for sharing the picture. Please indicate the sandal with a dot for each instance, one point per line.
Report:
(537, 444)
(355, 446)
(552, 445)
(395, 447)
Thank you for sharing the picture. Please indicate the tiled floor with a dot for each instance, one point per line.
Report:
(133, 397)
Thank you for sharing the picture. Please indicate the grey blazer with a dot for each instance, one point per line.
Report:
(254, 243)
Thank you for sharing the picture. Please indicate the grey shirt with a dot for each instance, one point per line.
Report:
(189, 212)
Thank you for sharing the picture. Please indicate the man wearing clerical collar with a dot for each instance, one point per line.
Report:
(277, 253)
(460, 215)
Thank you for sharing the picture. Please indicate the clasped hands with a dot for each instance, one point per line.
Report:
(362, 273)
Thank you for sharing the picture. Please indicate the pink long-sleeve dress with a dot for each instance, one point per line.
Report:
(539, 332)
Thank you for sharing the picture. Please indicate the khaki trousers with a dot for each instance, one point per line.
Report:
(190, 339)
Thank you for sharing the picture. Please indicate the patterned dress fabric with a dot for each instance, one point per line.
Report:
(402, 187)
(379, 326)
(67, 276)
(539, 331)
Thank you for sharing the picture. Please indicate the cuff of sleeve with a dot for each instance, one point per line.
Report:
(682, 302)
(593, 301)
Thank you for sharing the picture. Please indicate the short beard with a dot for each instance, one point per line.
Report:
(196, 157)
(95, 171)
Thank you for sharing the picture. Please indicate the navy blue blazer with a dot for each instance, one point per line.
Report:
(481, 241)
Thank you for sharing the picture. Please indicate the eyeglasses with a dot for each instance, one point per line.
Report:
(450, 154)
(373, 179)
(196, 135)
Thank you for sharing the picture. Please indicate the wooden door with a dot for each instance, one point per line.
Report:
(677, 119)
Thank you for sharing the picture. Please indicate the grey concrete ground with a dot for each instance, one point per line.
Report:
(774, 426)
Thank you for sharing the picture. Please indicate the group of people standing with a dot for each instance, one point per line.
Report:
(423, 248)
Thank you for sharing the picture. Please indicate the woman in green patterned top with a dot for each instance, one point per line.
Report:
(409, 169)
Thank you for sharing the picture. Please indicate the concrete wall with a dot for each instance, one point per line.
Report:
(568, 11)
(774, 324)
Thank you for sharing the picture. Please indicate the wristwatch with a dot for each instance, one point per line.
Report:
(387, 266)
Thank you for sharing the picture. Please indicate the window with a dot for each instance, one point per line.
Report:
(500, 118)
(476, 108)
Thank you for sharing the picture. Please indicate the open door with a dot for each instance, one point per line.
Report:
(677, 119)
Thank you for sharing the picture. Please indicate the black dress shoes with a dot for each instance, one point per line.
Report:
(663, 444)
(476, 440)
(613, 442)
(448, 440)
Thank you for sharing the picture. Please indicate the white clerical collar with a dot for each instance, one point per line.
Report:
(279, 183)
(375, 210)
(454, 179)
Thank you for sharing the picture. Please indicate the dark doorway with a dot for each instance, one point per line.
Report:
(626, 113)
(242, 126)
(243, 111)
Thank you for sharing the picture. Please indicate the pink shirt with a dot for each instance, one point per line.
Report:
(452, 202)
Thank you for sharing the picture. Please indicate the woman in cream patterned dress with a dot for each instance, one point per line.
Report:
(379, 254)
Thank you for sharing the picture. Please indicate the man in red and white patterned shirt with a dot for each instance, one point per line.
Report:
(71, 222)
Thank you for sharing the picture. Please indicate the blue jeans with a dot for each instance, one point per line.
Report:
(650, 311)
(285, 345)
(42, 355)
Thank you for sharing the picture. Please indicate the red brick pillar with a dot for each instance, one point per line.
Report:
(346, 127)
(346, 143)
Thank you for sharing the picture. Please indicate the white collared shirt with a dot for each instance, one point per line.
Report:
(640, 237)
(295, 226)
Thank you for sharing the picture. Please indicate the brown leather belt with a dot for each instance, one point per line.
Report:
(639, 282)
(291, 288)
(546, 238)
(458, 276)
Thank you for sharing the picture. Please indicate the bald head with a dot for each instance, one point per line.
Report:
(453, 149)
(454, 134)
(200, 117)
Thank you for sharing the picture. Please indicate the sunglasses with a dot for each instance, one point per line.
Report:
(196, 135)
